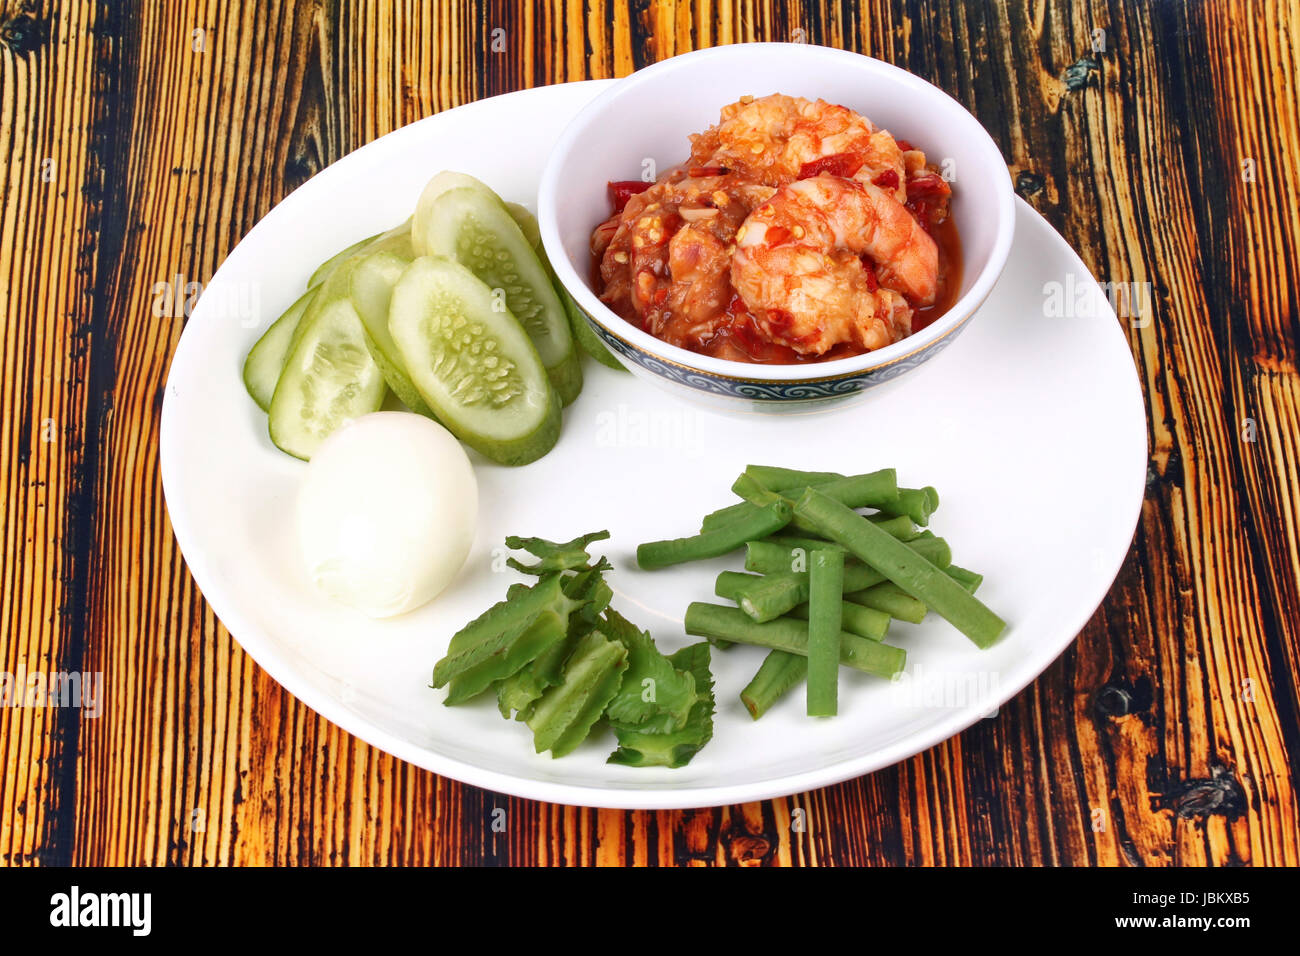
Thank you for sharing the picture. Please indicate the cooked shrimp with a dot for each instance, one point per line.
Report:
(668, 261)
(700, 265)
(603, 235)
(797, 265)
(777, 139)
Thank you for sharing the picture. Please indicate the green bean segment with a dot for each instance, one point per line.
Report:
(779, 672)
(863, 621)
(872, 490)
(779, 590)
(915, 503)
(902, 565)
(890, 599)
(855, 618)
(729, 623)
(712, 544)
(970, 580)
(753, 492)
(826, 592)
(776, 478)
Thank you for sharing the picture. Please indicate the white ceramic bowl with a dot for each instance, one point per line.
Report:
(648, 116)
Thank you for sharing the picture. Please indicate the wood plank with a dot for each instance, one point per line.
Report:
(167, 773)
(52, 185)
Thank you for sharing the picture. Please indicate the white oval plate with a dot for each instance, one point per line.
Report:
(1032, 428)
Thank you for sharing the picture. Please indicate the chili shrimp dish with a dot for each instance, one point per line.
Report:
(796, 231)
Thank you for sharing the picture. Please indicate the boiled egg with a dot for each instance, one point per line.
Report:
(386, 513)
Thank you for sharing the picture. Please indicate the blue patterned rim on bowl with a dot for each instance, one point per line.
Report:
(748, 389)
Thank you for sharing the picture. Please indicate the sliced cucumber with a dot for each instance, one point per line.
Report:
(472, 362)
(329, 265)
(373, 275)
(340, 262)
(471, 225)
(265, 359)
(325, 268)
(527, 224)
(445, 181)
(329, 377)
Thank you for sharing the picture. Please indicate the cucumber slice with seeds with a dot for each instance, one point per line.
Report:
(445, 181)
(473, 227)
(349, 256)
(472, 362)
(329, 377)
(265, 359)
(371, 287)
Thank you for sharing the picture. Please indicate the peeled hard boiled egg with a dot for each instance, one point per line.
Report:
(386, 513)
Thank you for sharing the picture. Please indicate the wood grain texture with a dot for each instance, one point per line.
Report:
(1159, 139)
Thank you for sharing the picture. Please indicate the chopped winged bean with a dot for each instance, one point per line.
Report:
(569, 556)
(651, 685)
(564, 715)
(642, 746)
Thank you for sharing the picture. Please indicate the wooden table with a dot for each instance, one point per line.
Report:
(140, 144)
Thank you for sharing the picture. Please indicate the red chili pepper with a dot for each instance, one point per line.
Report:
(904, 145)
(698, 172)
(887, 180)
(922, 211)
(776, 235)
(927, 195)
(928, 210)
(623, 190)
(927, 185)
(837, 164)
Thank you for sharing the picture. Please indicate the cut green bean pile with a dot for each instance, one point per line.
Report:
(832, 560)
(562, 660)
